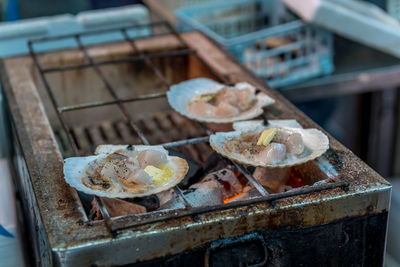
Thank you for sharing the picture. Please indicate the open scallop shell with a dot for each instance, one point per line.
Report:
(315, 144)
(180, 94)
(75, 169)
(244, 126)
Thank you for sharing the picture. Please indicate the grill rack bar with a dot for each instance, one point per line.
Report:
(162, 215)
(186, 142)
(252, 180)
(181, 52)
(107, 103)
(140, 219)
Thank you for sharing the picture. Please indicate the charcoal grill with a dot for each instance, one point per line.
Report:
(64, 103)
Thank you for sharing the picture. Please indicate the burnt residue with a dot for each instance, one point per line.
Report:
(273, 112)
(189, 190)
(335, 159)
(348, 242)
(247, 250)
(215, 162)
(150, 202)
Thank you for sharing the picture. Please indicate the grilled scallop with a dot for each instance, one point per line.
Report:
(205, 100)
(285, 147)
(125, 171)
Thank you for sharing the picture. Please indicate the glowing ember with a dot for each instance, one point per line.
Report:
(232, 198)
(295, 178)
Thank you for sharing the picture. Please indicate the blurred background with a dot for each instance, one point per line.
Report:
(347, 80)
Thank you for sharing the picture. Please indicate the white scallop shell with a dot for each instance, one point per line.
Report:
(180, 94)
(315, 144)
(75, 169)
(259, 124)
(108, 149)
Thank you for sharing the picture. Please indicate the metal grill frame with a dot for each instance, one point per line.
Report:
(155, 216)
(56, 227)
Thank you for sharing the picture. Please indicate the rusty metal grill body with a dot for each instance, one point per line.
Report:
(61, 231)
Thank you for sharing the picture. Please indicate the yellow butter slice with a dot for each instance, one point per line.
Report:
(266, 137)
(168, 171)
(159, 175)
(203, 97)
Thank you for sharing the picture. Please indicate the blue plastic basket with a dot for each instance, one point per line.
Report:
(264, 36)
(172, 5)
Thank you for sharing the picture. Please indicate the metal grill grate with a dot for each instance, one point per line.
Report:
(83, 140)
(159, 128)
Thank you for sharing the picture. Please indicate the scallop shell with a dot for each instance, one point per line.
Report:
(75, 169)
(180, 94)
(315, 144)
(259, 124)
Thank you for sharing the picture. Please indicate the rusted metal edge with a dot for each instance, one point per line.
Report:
(24, 141)
(165, 239)
(74, 193)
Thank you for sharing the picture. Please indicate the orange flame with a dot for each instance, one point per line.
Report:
(232, 198)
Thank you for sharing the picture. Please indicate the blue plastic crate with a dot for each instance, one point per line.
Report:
(264, 36)
(14, 36)
(172, 5)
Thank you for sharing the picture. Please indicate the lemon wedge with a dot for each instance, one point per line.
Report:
(266, 137)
